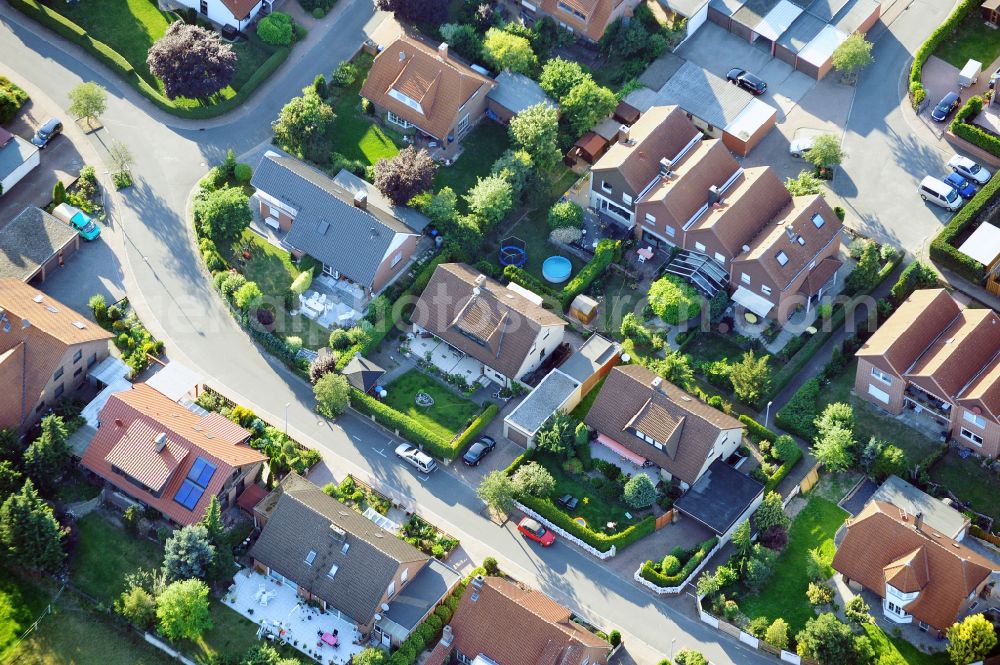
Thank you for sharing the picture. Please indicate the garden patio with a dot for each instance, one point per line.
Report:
(284, 617)
(446, 359)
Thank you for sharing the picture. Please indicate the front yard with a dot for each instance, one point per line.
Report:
(597, 506)
(969, 481)
(448, 416)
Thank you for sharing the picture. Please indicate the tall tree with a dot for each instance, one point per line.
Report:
(825, 152)
(188, 553)
(121, 157)
(515, 167)
(88, 101)
(222, 562)
(751, 377)
(407, 174)
(48, 456)
(10, 479)
(833, 448)
(182, 610)
(536, 129)
(533, 479)
(853, 54)
(332, 394)
(490, 199)
(30, 535)
(805, 184)
(506, 51)
(416, 11)
(223, 214)
(191, 61)
(497, 491)
(303, 127)
(770, 512)
(970, 640)
(559, 76)
(827, 640)
(587, 104)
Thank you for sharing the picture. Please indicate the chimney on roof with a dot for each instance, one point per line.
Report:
(480, 280)
(361, 200)
(25, 324)
(447, 635)
(477, 582)
(443, 50)
(665, 165)
(119, 423)
(657, 382)
(790, 231)
(714, 195)
(918, 521)
(161, 441)
(623, 135)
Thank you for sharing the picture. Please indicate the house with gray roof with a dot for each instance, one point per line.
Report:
(352, 567)
(34, 244)
(355, 236)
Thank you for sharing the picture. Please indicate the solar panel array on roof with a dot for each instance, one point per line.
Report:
(189, 494)
(201, 472)
(194, 485)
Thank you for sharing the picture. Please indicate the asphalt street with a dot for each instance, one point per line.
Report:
(163, 276)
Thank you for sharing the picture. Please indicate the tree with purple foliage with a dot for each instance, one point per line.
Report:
(405, 175)
(416, 11)
(191, 61)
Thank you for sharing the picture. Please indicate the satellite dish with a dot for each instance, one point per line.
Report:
(385, 608)
(626, 358)
(378, 617)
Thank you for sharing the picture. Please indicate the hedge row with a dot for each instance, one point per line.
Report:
(416, 433)
(756, 431)
(928, 47)
(120, 66)
(799, 414)
(522, 277)
(599, 541)
(650, 574)
(606, 253)
(783, 471)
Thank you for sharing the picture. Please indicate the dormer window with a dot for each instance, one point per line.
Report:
(575, 12)
(405, 99)
(782, 258)
(605, 186)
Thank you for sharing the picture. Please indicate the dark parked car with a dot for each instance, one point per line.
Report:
(747, 81)
(51, 129)
(946, 107)
(965, 188)
(480, 449)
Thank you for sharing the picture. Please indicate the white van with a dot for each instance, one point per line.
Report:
(940, 193)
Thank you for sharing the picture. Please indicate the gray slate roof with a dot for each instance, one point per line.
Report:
(29, 240)
(590, 357)
(328, 227)
(302, 519)
(937, 514)
(543, 401)
(380, 204)
(705, 95)
(362, 373)
(412, 603)
(516, 92)
(16, 152)
(719, 497)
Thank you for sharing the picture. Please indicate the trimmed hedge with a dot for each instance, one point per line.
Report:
(756, 431)
(915, 276)
(476, 426)
(522, 277)
(606, 252)
(63, 26)
(928, 47)
(598, 541)
(971, 133)
(798, 414)
(650, 574)
(783, 470)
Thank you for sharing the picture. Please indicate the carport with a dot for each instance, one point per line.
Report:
(33, 244)
(722, 499)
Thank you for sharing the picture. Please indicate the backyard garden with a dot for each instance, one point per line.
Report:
(355, 134)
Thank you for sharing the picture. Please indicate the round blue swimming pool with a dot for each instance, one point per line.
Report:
(556, 269)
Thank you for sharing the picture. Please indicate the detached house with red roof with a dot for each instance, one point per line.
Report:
(154, 451)
(237, 13)
(921, 575)
(585, 18)
(934, 357)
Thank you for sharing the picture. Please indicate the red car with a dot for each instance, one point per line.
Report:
(536, 532)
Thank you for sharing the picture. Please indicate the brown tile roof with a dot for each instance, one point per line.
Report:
(783, 233)
(662, 131)
(517, 626)
(240, 9)
(910, 330)
(677, 199)
(756, 196)
(958, 353)
(598, 13)
(625, 396)
(819, 275)
(440, 86)
(505, 322)
(35, 332)
(130, 421)
(882, 539)
(983, 390)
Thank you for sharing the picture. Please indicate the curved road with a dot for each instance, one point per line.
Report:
(162, 274)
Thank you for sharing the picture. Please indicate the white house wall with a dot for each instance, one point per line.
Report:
(24, 169)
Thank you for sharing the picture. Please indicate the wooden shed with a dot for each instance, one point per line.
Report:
(590, 147)
(990, 11)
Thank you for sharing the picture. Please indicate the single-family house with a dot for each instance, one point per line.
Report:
(485, 320)
(157, 453)
(644, 419)
(427, 92)
(17, 159)
(501, 622)
(357, 239)
(239, 14)
(46, 350)
(921, 575)
(936, 513)
(34, 244)
(337, 557)
(586, 18)
(934, 357)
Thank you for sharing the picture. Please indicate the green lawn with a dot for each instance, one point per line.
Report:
(450, 413)
(896, 650)
(581, 410)
(973, 40)
(710, 346)
(356, 135)
(105, 553)
(619, 299)
(232, 634)
(871, 421)
(785, 594)
(20, 602)
(480, 148)
(534, 228)
(595, 509)
(74, 489)
(970, 482)
(272, 269)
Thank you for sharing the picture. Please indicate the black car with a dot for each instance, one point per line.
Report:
(747, 81)
(51, 129)
(944, 108)
(480, 449)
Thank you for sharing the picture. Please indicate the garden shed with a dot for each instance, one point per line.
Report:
(991, 11)
(583, 308)
(590, 147)
(984, 246)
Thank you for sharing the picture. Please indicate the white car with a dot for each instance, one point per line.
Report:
(412, 455)
(802, 141)
(970, 169)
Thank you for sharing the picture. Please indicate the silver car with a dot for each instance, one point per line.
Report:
(967, 168)
(415, 457)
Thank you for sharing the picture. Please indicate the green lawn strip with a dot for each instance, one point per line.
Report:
(232, 634)
(75, 634)
(450, 413)
(710, 346)
(896, 650)
(480, 148)
(74, 489)
(105, 554)
(20, 602)
(596, 510)
(785, 593)
(619, 299)
(581, 410)
(972, 40)
(970, 482)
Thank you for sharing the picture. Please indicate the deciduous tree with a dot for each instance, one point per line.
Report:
(639, 491)
(514, 166)
(463, 39)
(833, 448)
(87, 101)
(804, 185)
(497, 491)
(30, 535)
(223, 214)
(586, 104)
(490, 199)
(303, 127)
(971, 639)
(138, 606)
(404, 176)
(533, 479)
(853, 54)
(416, 11)
(332, 394)
(565, 213)
(559, 76)
(857, 611)
(536, 129)
(825, 152)
(182, 610)
(191, 61)
(777, 634)
(827, 640)
(506, 51)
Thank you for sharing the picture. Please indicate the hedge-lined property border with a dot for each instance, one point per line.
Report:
(607, 252)
(917, 90)
(676, 582)
(64, 27)
(414, 432)
(758, 433)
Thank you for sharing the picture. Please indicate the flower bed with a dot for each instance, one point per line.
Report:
(132, 338)
(690, 562)
(427, 538)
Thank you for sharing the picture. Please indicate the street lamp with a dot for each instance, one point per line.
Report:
(767, 413)
(287, 404)
(672, 641)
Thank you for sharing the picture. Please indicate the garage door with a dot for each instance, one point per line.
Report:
(878, 394)
(697, 20)
(517, 436)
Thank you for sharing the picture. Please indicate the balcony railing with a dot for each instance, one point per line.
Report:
(927, 401)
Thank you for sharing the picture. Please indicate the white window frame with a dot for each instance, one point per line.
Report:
(720, 258)
(396, 120)
(881, 376)
(626, 199)
(606, 187)
(781, 258)
(670, 231)
(333, 571)
(310, 557)
(818, 220)
(396, 259)
(406, 99)
(765, 289)
(976, 420)
(405, 575)
(699, 246)
(971, 437)
(391, 590)
(745, 278)
(650, 219)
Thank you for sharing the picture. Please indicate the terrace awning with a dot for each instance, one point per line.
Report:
(759, 305)
(620, 450)
(983, 245)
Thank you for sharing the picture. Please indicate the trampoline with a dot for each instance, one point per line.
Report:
(513, 252)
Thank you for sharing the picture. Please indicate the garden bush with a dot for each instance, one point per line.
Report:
(915, 276)
(674, 300)
(799, 414)
(318, 8)
(243, 173)
(277, 28)
(650, 574)
(12, 98)
(565, 213)
(756, 431)
(345, 74)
